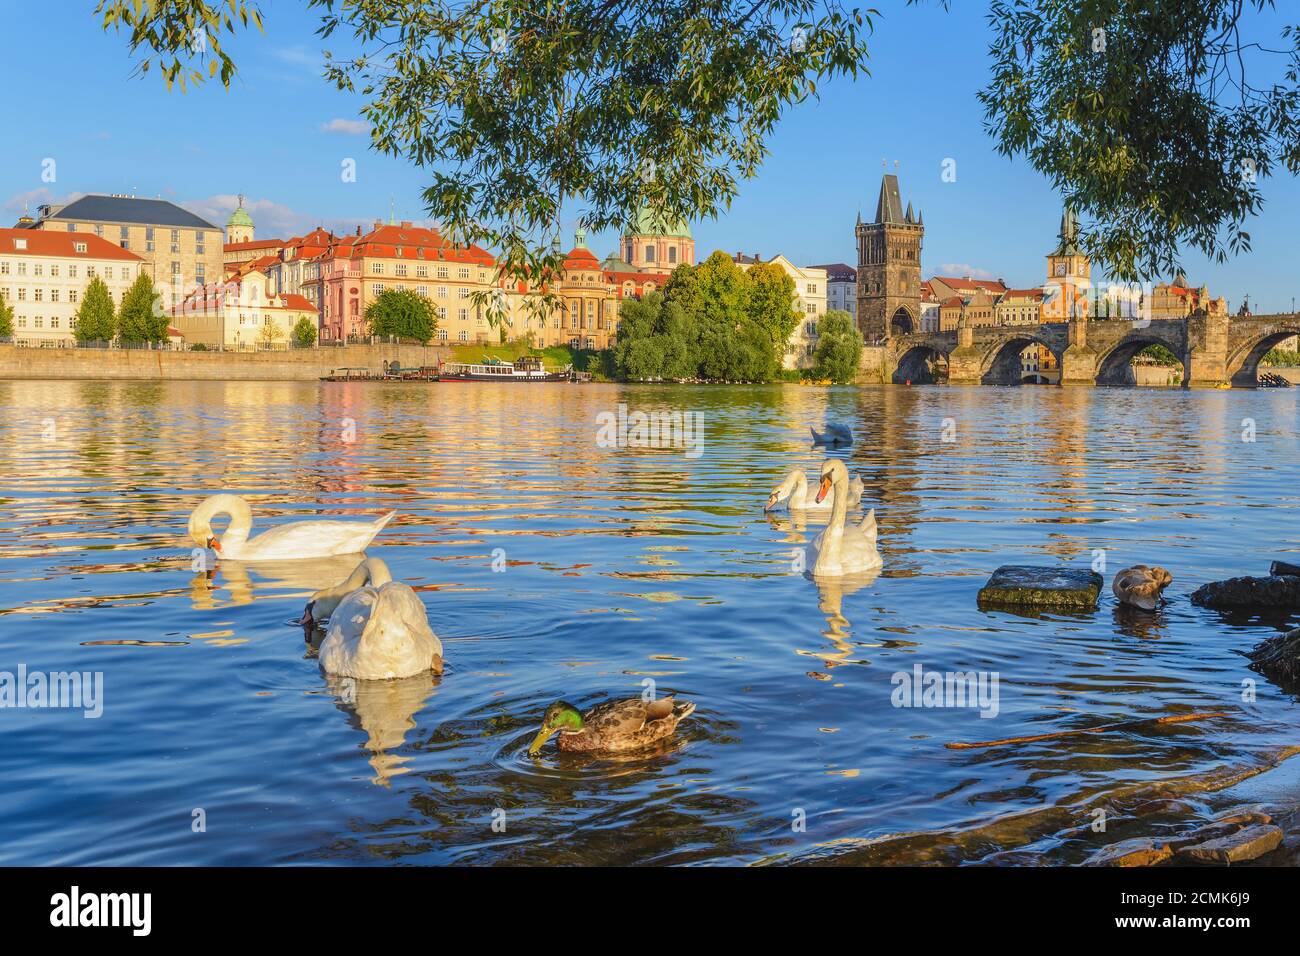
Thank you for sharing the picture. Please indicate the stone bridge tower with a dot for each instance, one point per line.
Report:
(889, 267)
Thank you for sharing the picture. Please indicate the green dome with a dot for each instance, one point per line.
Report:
(240, 218)
(647, 223)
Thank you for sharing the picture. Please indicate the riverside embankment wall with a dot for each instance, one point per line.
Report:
(293, 365)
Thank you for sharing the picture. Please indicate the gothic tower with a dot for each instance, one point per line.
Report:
(1069, 273)
(889, 267)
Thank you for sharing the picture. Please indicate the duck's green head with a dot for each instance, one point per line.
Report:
(560, 717)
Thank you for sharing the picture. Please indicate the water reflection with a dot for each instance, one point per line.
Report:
(552, 567)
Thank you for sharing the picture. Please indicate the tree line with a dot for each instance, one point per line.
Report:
(716, 322)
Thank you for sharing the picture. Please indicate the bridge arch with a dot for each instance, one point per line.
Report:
(1114, 364)
(1001, 364)
(902, 322)
(1243, 364)
(920, 364)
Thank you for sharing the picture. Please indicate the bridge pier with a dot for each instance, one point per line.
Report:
(965, 360)
(1078, 361)
(1207, 351)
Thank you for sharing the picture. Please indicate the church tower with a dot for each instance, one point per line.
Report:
(889, 267)
(239, 227)
(1069, 274)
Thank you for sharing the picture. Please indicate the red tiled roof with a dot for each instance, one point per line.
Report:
(408, 242)
(951, 301)
(991, 285)
(255, 245)
(298, 302)
(49, 242)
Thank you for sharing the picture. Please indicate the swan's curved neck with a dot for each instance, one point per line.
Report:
(241, 518)
(830, 552)
(799, 496)
(371, 571)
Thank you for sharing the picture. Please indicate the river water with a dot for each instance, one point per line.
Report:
(555, 567)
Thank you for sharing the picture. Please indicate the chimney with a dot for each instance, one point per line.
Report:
(379, 223)
(358, 230)
(406, 224)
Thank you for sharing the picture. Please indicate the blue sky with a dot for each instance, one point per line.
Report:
(269, 137)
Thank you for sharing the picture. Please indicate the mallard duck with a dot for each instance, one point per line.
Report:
(286, 542)
(835, 434)
(613, 726)
(1140, 586)
(378, 627)
(843, 548)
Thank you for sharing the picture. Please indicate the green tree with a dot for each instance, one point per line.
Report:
(839, 347)
(140, 318)
(304, 333)
(96, 320)
(772, 309)
(6, 318)
(403, 313)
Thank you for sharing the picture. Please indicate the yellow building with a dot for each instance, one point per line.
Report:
(244, 313)
(348, 276)
(1178, 300)
(180, 250)
(44, 274)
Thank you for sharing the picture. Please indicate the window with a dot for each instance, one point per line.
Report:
(463, 272)
(442, 272)
(379, 287)
(379, 268)
(72, 295)
(462, 292)
(20, 244)
(442, 292)
(649, 253)
(442, 335)
(400, 269)
(672, 254)
(72, 227)
(79, 246)
(462, 314)
(464, 336)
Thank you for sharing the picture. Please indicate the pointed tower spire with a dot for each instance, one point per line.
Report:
(907, 216)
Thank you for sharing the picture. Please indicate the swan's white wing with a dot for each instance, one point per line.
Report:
(379, 634)
(310, 539)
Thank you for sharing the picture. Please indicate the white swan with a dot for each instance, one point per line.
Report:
(793, 491)
(835, 434)
(298, 539)
(842, 548)
(378, 627)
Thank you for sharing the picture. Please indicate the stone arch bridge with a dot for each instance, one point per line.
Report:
(1214, 350)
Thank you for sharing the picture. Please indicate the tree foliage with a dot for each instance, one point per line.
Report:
(1156, 119)
(304, 333)
(713, 321)
(839, 348)
(516, 108)
(140, 318)
(96, 320)
(402, 313)
(6, 318)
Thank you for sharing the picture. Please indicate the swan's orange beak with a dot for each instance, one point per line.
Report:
(214, 544)
(824, 487)
(771, 502)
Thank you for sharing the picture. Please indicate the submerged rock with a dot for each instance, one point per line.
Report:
(1278, 659)
(1248, 844)
(1051, 588)
(1275, 591)
(1141, 851)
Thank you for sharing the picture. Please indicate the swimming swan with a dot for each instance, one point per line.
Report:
(835, 434)
(793, 491)
(842, 548)
(378, 627)
(298, 539)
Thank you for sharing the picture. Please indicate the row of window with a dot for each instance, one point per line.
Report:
(38, 269)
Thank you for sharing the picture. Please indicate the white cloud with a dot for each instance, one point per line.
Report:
(29, 200)
(959, 270)
(346, 126)
(271, 220)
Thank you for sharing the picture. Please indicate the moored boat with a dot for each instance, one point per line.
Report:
(526, 369)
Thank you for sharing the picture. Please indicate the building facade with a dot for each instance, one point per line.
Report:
(44, 274)
(653, 244)
(242, 314)
(1069, 276)
(889, 267)
(841, 287)
(179, 250)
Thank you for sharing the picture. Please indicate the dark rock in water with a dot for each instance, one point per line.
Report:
(1281, 567)
(1051, 588)
(1237, 847)
(1141, 851)
(1278, 659)
(1275, 591)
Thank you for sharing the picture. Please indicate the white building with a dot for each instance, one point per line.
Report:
(44, 274)
(841, 287)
